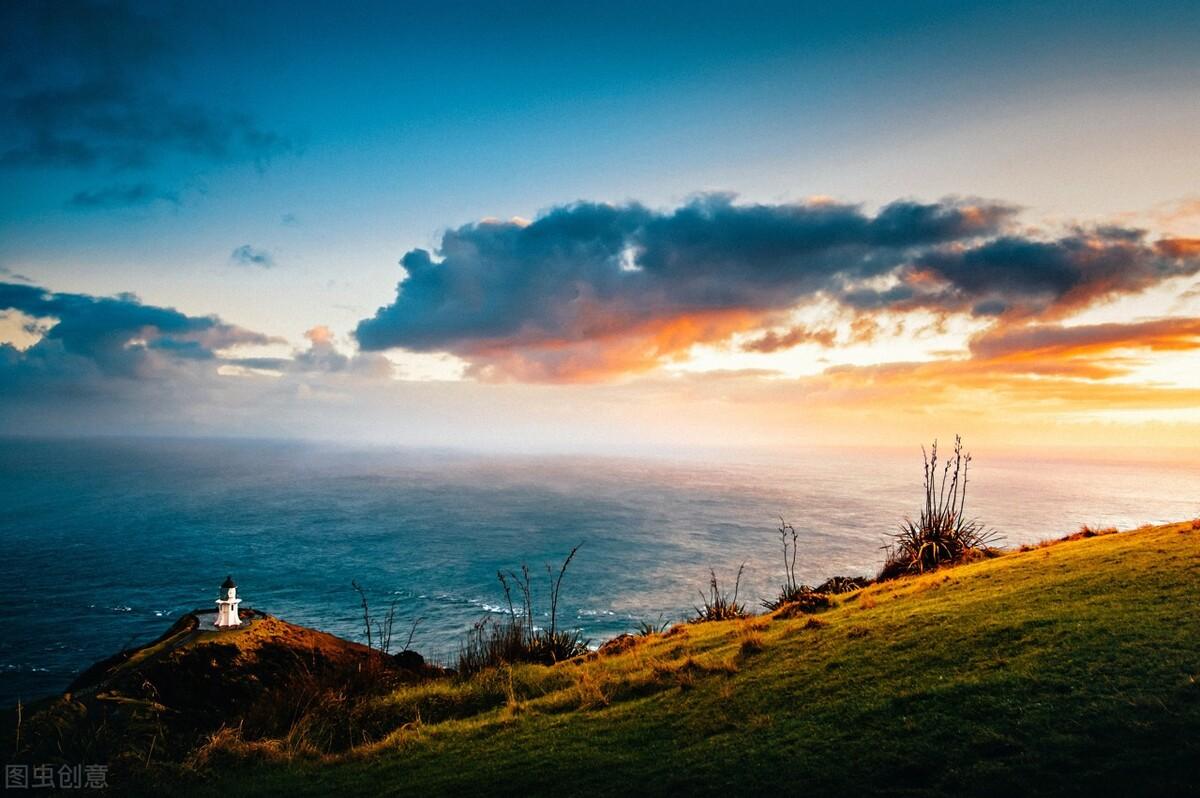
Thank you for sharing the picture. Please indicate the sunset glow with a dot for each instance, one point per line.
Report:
(639, 293)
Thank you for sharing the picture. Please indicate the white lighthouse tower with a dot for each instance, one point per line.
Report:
(227, 604)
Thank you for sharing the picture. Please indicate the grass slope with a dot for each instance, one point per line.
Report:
(1068, 669)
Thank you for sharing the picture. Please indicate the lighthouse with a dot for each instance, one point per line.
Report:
(227, 604)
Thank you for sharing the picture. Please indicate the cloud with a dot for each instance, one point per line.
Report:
(122, 196)
(861, 329)
(772, 341)
(589, 291)
(89, 86)
(592, 291)
(1021, 278)
(1052, 341)
(117, 364)
(10, 274)
(1179, 247)
(114, 337)
(1172, 213)
(246, 255)
(971, 387)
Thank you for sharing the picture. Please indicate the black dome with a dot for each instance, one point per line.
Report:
(228, 583)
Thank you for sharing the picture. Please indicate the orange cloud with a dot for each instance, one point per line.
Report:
(609, 349)
(987, 387)
(319, 335)
(1016, 385)
(1179, 247)
(772, 341)
(1089, 340)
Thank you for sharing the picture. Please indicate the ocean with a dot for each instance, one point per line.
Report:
(106, 542)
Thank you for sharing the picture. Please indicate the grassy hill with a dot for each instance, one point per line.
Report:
(1072, 668)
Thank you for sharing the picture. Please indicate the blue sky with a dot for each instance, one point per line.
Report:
(308, 147)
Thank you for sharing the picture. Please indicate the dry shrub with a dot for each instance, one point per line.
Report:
(591, 688)
(752, 642)
(618, 645)
(1086, 531)
(227, 747)
(801, 604)
(757, 623)
(836, 585)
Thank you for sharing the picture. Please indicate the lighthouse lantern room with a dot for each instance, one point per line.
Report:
(227, 605)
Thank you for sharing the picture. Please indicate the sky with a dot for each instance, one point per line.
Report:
(602, 226)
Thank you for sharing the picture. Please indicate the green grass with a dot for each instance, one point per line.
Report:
(1068, 669)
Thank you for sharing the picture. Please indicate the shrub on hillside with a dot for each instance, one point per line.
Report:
(842, 584)
(802, 601)
(942, 534)
(648, 628)
(517, 639)
(718, 605)
(792, 593)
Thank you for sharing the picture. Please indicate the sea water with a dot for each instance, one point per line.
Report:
(106, 542)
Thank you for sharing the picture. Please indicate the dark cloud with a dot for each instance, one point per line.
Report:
(122, 196)
(590, 291)
(1022, 278)
(91, 85)
(119, 359)
(246, 255)
(114, 336)
(591, 288)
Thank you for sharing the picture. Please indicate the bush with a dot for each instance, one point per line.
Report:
(648, 628)
(942, 534)
(792, 593)
(835, 585)
(1088, 531)
(719, 605)
(803, 601)
(516, 639)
